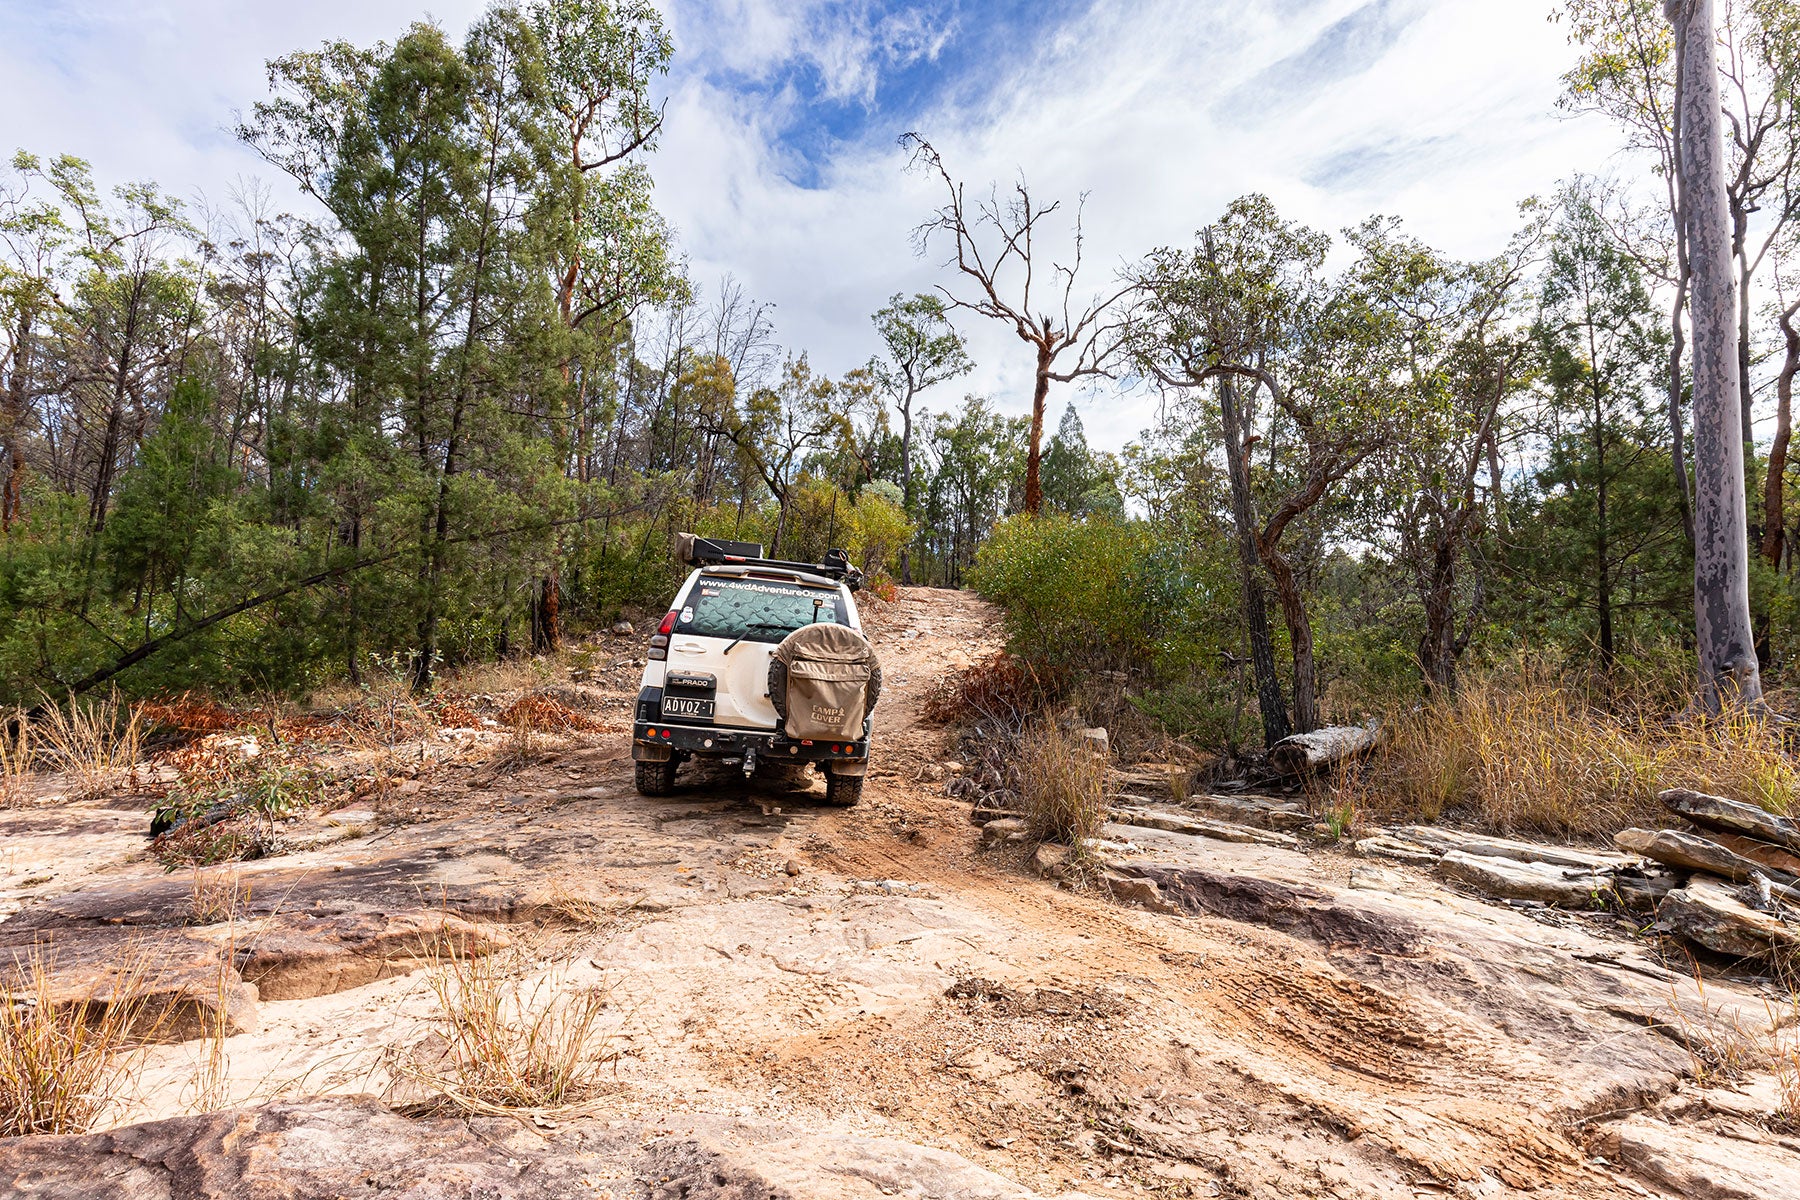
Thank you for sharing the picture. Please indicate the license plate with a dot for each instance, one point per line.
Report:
(682, 706)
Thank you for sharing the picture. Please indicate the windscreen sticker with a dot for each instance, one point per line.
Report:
(687, 615)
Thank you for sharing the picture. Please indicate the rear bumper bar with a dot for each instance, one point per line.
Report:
(656, 741)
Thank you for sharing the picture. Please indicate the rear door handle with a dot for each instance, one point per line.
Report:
(690, 648)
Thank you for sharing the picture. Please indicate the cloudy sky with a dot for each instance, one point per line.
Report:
(779, 163)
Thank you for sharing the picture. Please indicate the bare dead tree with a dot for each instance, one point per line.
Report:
(995, 252)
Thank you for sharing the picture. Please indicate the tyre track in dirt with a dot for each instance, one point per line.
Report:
(1426, 1092)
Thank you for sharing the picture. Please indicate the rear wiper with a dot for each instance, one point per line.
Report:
(759, 625)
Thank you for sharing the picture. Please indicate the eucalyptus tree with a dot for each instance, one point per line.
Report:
(1729, 673)
(34, 236)
(777, 427)
(997, 257)
(1631, 71)
(922, 350)
(1304, 365)
(976, 454)
(1466, 357)
(1605, 540)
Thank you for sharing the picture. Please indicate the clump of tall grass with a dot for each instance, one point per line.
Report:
(1062, 784)
(96, 744)
(15, 758)
(1530, 748)
(505, 1044)
(63, 1065)
(1724, 1051)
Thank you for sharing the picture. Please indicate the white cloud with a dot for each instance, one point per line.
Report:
(1438, 111)
(1448, 124)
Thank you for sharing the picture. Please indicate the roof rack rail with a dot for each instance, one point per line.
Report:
(698, 551)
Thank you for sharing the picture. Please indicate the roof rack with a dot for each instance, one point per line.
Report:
(699, 551)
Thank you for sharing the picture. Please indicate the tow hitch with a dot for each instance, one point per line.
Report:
(749, 761)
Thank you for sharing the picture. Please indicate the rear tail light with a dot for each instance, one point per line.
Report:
(659, 641)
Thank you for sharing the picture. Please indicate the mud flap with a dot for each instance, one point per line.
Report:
(642, 753)
(847, 766)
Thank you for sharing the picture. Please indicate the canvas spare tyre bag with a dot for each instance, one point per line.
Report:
(824, 680)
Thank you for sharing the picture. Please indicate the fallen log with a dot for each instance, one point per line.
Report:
(1693, 853)
(1710, 914)
(1482, 846)
(1303, 753)
(1510, 879)
(1733, 816)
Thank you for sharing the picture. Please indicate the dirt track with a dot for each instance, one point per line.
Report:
(1318, 1027)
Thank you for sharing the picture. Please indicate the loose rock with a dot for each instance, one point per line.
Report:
(1710, 914)
(1733, 816)
(1693, 853)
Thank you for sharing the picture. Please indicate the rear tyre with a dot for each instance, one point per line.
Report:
(656, 778)
(843, 790)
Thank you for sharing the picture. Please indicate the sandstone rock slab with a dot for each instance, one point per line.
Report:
(182, 986)
(1710, 914)
(293, 956)
(1733, 816)
(1693, 853)
(1224, 831)
(1548, 883)
(1443, 840)
(357, 1149)
(1696, 1162)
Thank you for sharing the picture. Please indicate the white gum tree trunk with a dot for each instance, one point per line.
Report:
(1727, 651)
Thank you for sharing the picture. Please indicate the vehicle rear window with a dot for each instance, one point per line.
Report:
(757, 610)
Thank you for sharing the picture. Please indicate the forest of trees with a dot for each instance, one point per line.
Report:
(459, 415)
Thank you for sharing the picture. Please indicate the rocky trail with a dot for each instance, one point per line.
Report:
(811, 1002)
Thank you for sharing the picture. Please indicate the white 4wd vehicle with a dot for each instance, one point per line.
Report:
(740, 642)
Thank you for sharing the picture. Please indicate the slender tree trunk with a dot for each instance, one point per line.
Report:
(1602, 539)
(115, 416)
(1496, 490)
(1722, 635)
(906, 480)
(1256, 614)
(1437, 647)
(1775, 485)
(1034, 492)
(12, 423)
(1300, 639)
(1683, 277)
(1677, 435)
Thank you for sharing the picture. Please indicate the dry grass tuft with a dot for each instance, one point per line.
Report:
(1724, 1053)
(216, 896)
(505, 1044)
(15, 758)
(95, 744)
(1527, 749)
(1002, 688)
(62, 1066)
(546, 714)
(1062, 784)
